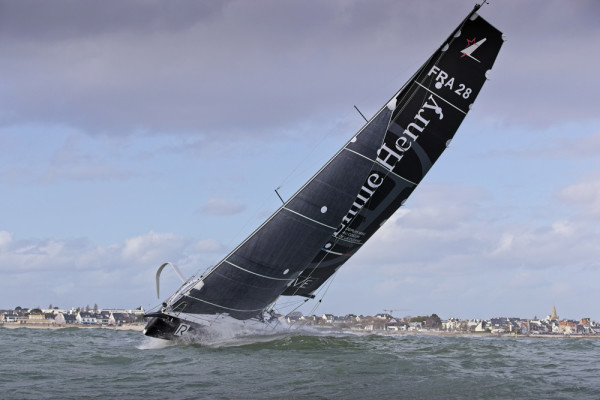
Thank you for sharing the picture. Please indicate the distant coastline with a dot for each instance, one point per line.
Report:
(382, 323)
(51, 326)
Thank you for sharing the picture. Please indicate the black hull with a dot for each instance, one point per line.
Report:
(167, 327)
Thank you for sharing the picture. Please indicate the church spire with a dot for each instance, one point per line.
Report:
(553, 316)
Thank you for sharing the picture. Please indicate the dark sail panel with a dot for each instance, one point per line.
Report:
(430, 109)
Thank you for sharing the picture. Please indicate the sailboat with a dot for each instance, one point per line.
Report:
(296, 250)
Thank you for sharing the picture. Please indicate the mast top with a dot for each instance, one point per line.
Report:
(478, 6)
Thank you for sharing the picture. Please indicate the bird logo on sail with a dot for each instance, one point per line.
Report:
(471, 47)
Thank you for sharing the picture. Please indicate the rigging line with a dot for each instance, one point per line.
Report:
(361, 114)
(213, 320)
(317, 144)
(290, 304)
(295, 303)
(297, 307)
(278, 195)
(271, 310)
(318, 303)
(283, 309)
(289, 301)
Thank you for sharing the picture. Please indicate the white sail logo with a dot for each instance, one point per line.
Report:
(389, 157)
(471, 47)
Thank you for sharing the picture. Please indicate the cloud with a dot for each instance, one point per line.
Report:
(208, 246)
(152, 246)
(5, 239)
(20, 256)
(69, 271)
(67, 18)
(585, 195)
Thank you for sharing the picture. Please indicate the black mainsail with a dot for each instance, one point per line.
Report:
(319, 228)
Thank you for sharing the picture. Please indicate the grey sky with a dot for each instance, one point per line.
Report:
(172, 68)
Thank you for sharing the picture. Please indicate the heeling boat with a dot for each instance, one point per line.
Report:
(296, 250)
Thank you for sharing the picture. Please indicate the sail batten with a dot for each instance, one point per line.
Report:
(374, 161)
(256, 273)
(308, 218)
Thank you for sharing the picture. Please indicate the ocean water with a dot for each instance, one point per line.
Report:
(74, 363)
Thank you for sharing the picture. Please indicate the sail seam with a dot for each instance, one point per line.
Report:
(437, 95)
(378, 163)
(257, 274)
(310, 219)
(223, 307)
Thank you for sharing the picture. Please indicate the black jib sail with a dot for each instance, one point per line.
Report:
(304, 242)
